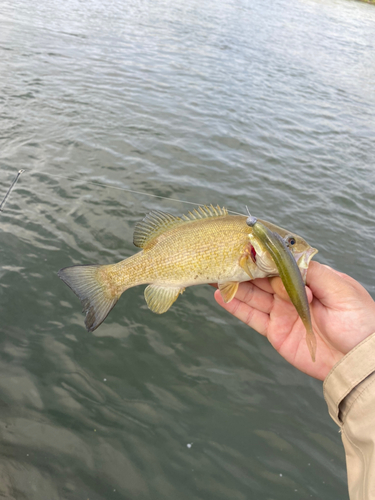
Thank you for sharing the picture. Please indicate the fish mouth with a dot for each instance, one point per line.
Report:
(303, 260)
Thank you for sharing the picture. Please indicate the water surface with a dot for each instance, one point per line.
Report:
(233, 103)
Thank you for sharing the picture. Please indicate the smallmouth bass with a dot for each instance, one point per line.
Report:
(205, 246)
(289, 273)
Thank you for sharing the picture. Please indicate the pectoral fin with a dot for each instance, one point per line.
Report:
(160, 298)
(228, 290)
(244, 262)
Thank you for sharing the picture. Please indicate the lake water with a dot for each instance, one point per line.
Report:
(232, 103)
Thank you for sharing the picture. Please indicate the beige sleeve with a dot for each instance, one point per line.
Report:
(349, 391)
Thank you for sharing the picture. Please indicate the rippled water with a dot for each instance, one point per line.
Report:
(233, 103)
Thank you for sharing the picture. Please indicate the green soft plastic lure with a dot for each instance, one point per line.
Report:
(289, 273)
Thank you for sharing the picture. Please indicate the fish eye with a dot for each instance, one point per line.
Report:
(290, 240)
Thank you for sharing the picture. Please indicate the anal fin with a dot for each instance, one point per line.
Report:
(160, 298)
(228, 290)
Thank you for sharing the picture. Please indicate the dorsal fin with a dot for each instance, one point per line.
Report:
(205, 211)
(155, 223)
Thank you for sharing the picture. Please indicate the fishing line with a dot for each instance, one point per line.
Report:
(2, 204)
(129, 190)
(74, 179)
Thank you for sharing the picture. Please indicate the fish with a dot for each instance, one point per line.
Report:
(205, 246)
(280, 250)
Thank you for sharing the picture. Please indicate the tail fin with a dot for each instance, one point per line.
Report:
(93, 294)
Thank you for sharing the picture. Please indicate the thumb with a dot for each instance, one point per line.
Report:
(326, 283)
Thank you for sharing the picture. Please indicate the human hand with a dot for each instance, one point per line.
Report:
(342, 314)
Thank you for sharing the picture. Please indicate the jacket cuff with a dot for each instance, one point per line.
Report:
(350, 371)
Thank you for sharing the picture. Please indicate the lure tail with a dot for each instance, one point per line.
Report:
(90, 286)
(310, 341)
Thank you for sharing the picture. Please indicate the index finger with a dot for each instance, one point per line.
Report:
(279, 289)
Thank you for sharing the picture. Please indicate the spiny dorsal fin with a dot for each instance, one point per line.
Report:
(205, 211)
(155, 223)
